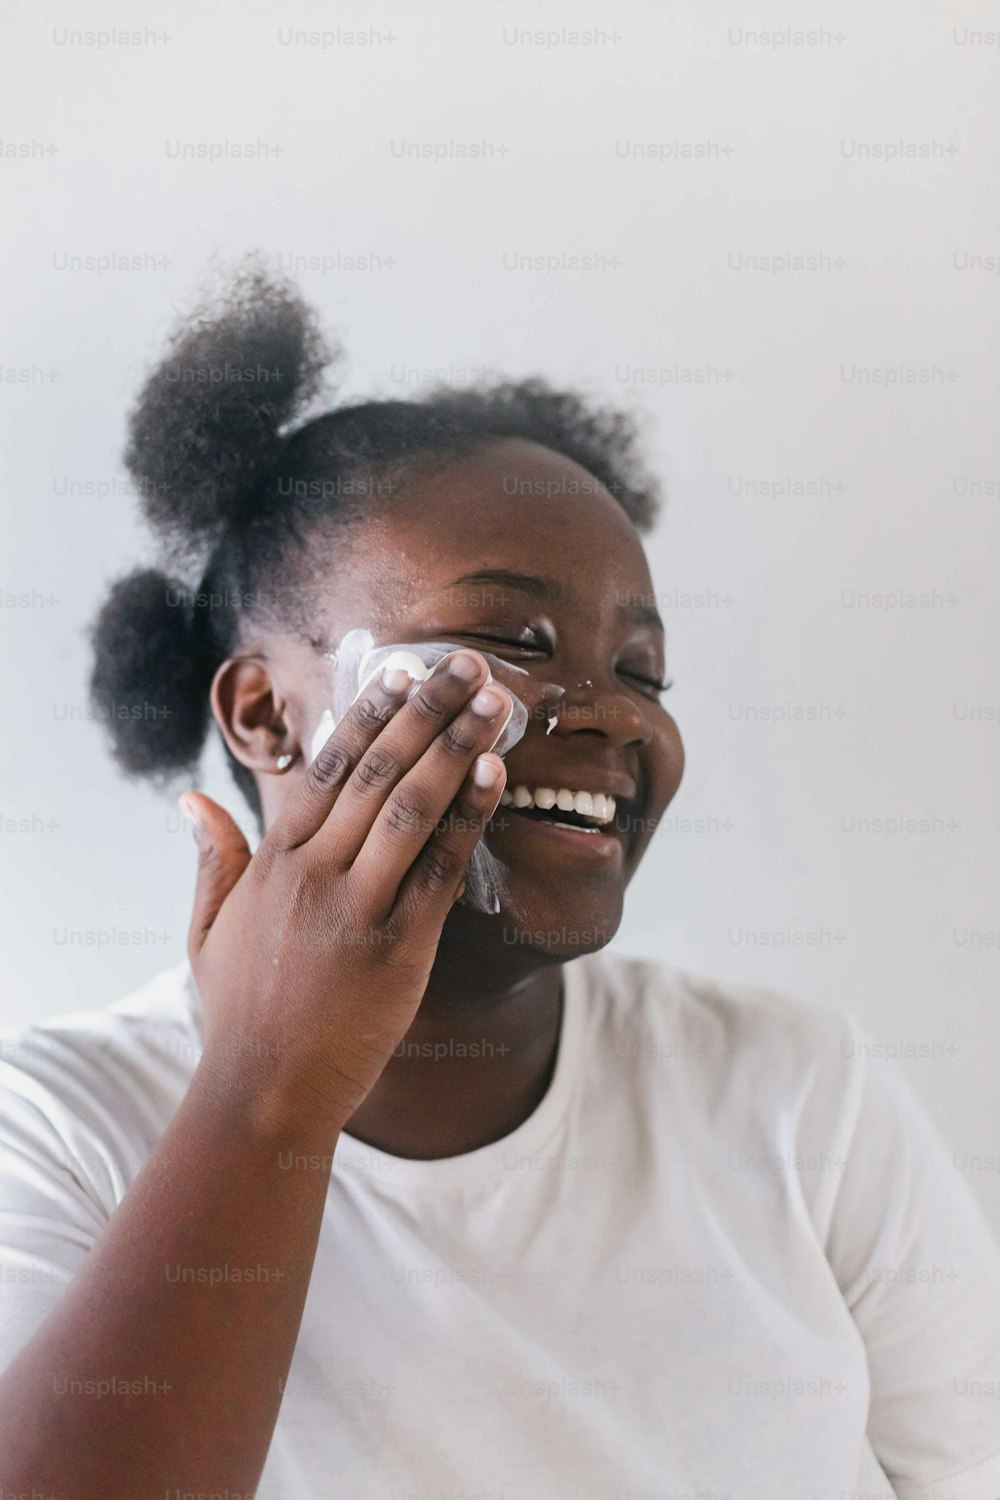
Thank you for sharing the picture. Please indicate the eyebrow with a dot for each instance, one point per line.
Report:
(525, 583)
(549, 590)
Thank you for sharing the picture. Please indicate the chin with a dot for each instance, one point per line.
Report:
(550, 943)
(561, 892)
(530, 921)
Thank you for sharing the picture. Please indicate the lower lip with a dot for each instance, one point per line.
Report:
(579, 842)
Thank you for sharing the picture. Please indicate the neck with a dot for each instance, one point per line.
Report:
(475, 1063)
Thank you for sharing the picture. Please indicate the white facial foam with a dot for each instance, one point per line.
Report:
(354, 664)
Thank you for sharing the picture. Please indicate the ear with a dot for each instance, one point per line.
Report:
(249, 710)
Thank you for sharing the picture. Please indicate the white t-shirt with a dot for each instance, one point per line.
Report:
(726, 1257)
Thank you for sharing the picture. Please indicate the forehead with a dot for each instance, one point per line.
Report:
(515, 506)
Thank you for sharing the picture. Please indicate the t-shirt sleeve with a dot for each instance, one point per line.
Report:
(50, 1216)
(919, 1270)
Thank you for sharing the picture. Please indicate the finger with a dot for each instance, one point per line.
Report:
(309, 807)
(422, 798)
(223, 855)
(429, 890)
(399, 747)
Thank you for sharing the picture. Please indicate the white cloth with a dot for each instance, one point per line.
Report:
(724, 1248)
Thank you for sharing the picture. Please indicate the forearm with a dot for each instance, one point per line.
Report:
(162, 1367)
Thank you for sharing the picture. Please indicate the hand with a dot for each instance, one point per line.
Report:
(312, 955)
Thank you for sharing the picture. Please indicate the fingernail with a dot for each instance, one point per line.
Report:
(397, 680)
(486, 772)
(464, 666)
(488, 702)
(190, 815)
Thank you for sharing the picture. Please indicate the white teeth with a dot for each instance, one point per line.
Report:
(596, 805)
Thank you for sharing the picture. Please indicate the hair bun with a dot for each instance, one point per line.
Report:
(150, 680)
(207, 427)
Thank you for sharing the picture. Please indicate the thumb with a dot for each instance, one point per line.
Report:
(223, 855)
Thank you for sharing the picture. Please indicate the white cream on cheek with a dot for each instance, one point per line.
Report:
(357, 660)
(353, 665)
(322, 733)
(407, 661)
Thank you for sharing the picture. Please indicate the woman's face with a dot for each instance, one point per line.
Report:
(519, 552)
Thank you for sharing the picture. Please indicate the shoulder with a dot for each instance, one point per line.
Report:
(744, 1079)
(760, 1032)
(148, 1031)
(98, 1088)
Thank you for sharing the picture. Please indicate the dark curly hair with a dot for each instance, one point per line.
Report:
(233, 480)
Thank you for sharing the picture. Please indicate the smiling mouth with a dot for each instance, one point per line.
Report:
(583, 812)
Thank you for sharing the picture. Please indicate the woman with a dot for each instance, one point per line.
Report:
(394, 1195)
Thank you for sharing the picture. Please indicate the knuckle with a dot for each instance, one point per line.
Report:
(375, 769)
(429, 705)
(330, 769)
(459, 738)
(361, 911)
(438, 867)
(304, 894)
(406, 813)
(371, 715)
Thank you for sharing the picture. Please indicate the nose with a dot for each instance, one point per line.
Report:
(589, 708)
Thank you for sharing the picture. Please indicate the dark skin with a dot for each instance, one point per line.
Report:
(399, 577)
(344, 934)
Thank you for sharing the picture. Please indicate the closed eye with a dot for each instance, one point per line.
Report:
(529, 642)
(653, 684)
(532, 644)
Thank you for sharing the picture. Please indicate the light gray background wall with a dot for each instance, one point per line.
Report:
(869, 147)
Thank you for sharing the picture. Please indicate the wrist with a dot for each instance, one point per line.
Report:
(265, 1108)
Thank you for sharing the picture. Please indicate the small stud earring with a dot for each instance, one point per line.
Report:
(283, 762)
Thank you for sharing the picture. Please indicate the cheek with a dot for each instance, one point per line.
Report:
(665, 767)
(309, 706)
(669, 755)
(667, 760)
